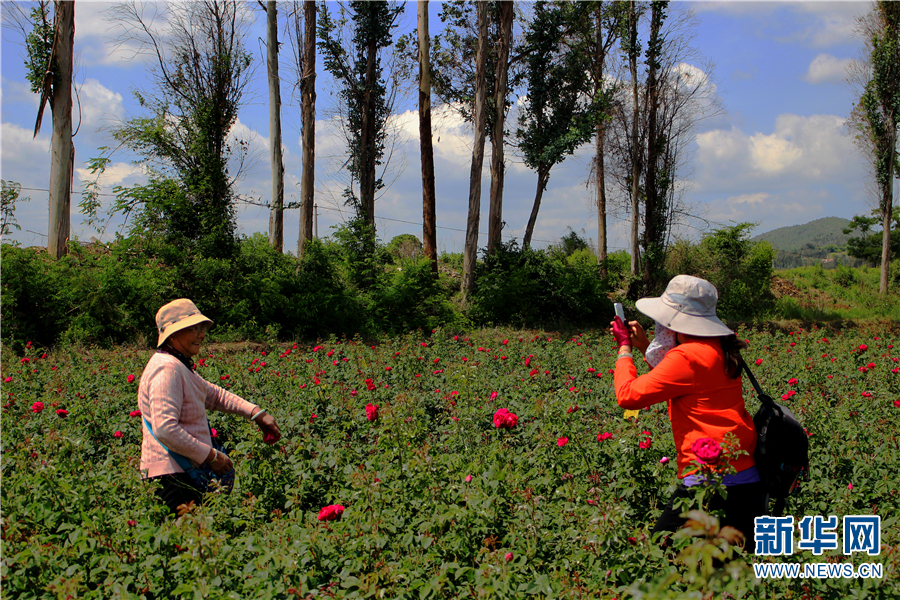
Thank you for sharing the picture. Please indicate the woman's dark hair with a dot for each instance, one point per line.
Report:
(732, 347)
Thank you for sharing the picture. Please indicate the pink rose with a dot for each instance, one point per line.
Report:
(131, 523)
(117, 434)
(371, 412)
(468, 479)
(664, 460)
(493, 395)
(707, 450)
(213, 432)
(562, 441)
(130, 379)
(850, 486)
(7, 380)
(332, 512)
(503, 419)
(509, 556)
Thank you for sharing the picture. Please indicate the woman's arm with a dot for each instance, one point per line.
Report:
(673, 377)
(220, 399)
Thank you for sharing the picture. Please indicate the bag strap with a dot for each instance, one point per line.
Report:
(763, 397)
(182, 461)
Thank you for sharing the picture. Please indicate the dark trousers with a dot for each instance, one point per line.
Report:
(176, 490)
(745, 502)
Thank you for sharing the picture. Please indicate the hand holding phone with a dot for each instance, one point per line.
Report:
(620, 312)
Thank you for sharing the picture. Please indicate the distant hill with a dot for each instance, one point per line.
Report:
(819, 242)
(819, 234)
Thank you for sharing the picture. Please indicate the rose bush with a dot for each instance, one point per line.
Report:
(434, 497)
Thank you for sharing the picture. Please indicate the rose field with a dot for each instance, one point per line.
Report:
(399, 476)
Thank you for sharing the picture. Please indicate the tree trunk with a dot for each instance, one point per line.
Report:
(543, 178)
(495, 217)
(602, 253)
(62, 151)
(470, 254)
(887, 208)
(429, 234)
(308, 117)
(276, 215)
(367, 138)
(635, 145)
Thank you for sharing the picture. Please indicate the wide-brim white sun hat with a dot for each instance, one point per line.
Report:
(175, 316)
(688, 306)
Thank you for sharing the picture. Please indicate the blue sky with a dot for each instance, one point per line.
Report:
(780, 153)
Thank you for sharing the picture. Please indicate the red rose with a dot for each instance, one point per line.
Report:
(130, 379)
(562, 441)
(37, 407)
(62, 412)
(117, 434)
(332, 512)
(503, 419)
(604, 436)
(371, 412)
(707, 450)
(134, 413)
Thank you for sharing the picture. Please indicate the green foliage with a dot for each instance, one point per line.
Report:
(10, 195)
(184, 141)
(405, 245)
(525, 287)
(38, 49)
(740, 269)
(572, 242)
(357, 66)
(868, 246)
(559, 114)
(439, 504)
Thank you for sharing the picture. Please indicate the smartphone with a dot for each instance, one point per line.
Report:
(620, 312)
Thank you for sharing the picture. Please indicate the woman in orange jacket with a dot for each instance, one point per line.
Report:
(700, 380)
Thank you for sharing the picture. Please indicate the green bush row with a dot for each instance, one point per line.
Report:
(109, 294)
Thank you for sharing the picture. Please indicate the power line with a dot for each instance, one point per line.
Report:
(338, 210)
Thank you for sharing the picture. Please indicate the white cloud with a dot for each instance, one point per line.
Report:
(814, 149)
(99, 105)
(772, 153)
(751, 199)
(827, 69)
(115, 174)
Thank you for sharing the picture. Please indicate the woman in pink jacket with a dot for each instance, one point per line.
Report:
(173, 400)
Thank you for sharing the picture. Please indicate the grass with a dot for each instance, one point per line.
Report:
(842, 294)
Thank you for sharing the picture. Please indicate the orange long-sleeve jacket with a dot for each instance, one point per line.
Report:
(703, 402)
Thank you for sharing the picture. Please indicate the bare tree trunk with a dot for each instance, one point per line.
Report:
(495, 217)
(635, 145)
(308, 117)
(543, 178)
(276, 216)
(887, 209)
(652, 213)
(429, 233)
(470, 254)
(602, 253)
(62, 151)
